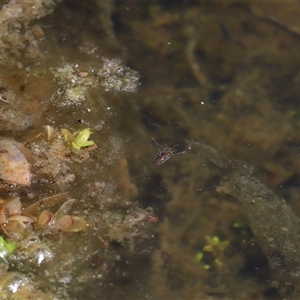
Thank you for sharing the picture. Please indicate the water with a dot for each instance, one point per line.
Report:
(222, 75)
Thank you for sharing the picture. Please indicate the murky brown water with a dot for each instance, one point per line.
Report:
(218, 80)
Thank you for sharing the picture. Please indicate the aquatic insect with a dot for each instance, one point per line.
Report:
(164, 154)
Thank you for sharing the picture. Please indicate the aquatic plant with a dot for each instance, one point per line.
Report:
(79, 141)
(214, 246)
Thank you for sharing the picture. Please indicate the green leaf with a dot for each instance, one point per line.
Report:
(81, 140)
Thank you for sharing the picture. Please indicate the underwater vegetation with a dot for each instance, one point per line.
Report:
(85, 85)
(79, 141)
(214, 246)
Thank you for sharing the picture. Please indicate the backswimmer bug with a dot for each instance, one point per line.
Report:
(164, 154)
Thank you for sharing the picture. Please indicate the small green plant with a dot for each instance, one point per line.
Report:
(79, 141)
(6, 248)
(214, 246)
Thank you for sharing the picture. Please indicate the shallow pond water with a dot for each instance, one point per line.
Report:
(216, 80)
